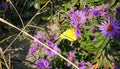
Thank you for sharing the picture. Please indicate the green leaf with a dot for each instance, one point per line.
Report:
(112, 2)
(67, 5)
(75, 1)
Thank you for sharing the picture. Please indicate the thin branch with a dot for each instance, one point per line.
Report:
(17, 12)
(24, 5)
(33, 26)
(3, 57)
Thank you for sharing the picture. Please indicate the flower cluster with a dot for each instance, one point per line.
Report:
(109, 27)
(43, 63)
(84, 65)
(99, 10)
(81, 65)
(78, 17)
(36, 45)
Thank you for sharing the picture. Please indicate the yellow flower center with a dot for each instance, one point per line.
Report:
(70, 58)
(101, 7)
(75, 27)
(78, 18)
(51, 34)
(39, 39)
(36, 47)
(109, 27)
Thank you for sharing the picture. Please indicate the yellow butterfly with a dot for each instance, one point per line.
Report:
(69, 35)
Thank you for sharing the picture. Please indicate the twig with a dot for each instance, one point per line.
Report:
(9, 60)
(0, 62)
(17, 12)
(3, 57)
(35, 27)
(24, 5)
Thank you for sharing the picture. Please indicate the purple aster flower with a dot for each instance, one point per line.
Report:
(35, 48)
(71, 11)
(43, 64)
(106, 15)
(94, 40)
(117, 67)
(40, 37)
(114, 66)
(71, 57)
(52, 36)
(4, 6)
(36, 44)
(65, 18)
(77, 32)
(97, 11)
(117, 9)
(82, 65)
(32, 50)
(56, 68)
(52, 46)
(78, 17)
(94, 30)
(89, 64)
(86, 8)
(110, 29)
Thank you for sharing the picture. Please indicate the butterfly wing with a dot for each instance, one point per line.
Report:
(69, 34)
